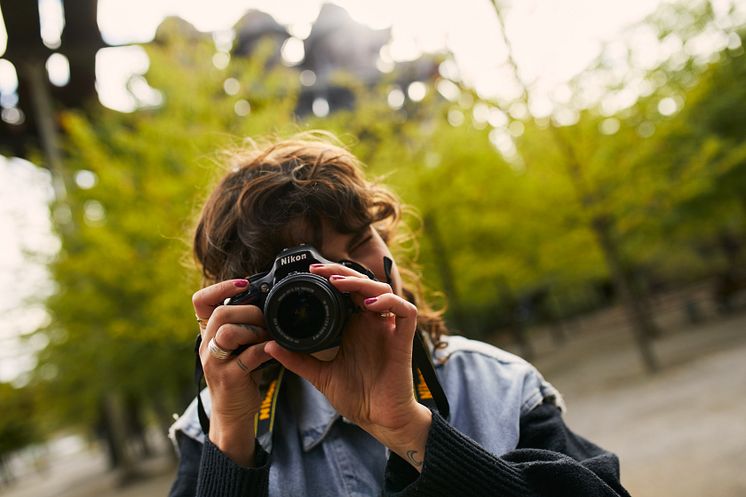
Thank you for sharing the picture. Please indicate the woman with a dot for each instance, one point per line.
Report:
(347, 419)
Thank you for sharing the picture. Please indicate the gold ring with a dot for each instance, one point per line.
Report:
(202, 322)
(217, 351)
(387, 314)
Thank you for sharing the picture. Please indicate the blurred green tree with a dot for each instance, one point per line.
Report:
(18, 423)
(513, 212)
(120, 331)
(616, 173)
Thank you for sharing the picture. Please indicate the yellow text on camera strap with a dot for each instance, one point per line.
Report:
(427, 391)
(264, 420)
(421, 390)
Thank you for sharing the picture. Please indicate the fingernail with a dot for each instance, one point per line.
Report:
(336, 277)
(370, 300)
(241, 283)
(316, 266)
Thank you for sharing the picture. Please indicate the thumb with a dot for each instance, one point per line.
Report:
(304, 365)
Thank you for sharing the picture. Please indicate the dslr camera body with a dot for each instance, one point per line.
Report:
(303, 312)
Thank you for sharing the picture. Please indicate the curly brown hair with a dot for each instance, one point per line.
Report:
(310, 178)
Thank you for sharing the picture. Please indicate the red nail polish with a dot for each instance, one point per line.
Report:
(337, 277)
(316, 266)
(241, 283)
(370, 300)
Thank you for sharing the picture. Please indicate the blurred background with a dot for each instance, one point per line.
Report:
(578, 168)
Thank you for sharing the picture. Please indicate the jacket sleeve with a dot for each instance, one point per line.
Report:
(549, 461)
(204, 471)
(190, 453)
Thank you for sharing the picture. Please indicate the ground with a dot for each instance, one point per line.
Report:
(680, 432)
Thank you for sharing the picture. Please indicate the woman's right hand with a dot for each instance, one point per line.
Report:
(233, 388)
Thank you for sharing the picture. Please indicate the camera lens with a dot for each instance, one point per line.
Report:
(305, 313)
(301, 313)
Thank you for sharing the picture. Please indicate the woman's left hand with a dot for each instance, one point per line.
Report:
(369, 381)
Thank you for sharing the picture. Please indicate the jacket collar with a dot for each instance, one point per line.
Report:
(313, 412)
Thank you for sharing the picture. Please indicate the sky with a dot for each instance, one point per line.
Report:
(25, 191)
(553, 40)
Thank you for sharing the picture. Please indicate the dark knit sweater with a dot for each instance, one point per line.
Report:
(550, 460)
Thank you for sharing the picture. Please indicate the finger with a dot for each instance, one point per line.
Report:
(404, 311)
(231, 336)
(213, 352)
(231, 314)
(326, 270)
(239, 314)
(304, 365)
(253, 357)
(207, 299)
(364, 286)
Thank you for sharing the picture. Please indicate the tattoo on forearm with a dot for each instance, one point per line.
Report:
(413, 458)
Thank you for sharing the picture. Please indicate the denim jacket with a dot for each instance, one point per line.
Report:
(318, 452)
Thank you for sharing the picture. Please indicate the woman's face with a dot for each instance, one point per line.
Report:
(365, 247)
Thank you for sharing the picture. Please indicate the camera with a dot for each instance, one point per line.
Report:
(303, 311)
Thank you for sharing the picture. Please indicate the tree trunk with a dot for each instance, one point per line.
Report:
(116, 432)
(44, 114)
(557, 325)
(635, 303)
(516, 321)
(443, 263)
(136, 427)
(637, 309)
(164, 422)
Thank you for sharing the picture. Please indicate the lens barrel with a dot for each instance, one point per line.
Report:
(305, 313)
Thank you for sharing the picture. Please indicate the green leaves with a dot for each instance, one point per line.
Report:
(495, 227)
(122, 317)
(17, 425)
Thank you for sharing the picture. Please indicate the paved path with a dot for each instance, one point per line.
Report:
(679, 433)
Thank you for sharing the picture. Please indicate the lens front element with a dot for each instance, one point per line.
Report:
(301, 313)
(305, 313)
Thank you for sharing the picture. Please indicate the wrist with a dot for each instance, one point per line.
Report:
(409, 441)
(234, 439)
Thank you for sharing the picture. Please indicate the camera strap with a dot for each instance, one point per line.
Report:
(427, 391)
(427, 388)
(265, 418)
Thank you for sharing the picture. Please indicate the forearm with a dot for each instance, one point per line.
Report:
(220, 476)
(236, 440)
(456, 465)
(206, 472)
(453, 465)
(410, 441)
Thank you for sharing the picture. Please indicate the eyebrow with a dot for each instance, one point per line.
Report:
(358, 236)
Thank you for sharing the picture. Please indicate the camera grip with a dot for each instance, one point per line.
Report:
(247, 297)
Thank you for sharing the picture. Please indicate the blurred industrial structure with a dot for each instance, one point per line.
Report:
(336, 43)
(27, 115)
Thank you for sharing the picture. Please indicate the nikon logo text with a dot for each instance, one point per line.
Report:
(293, 258)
